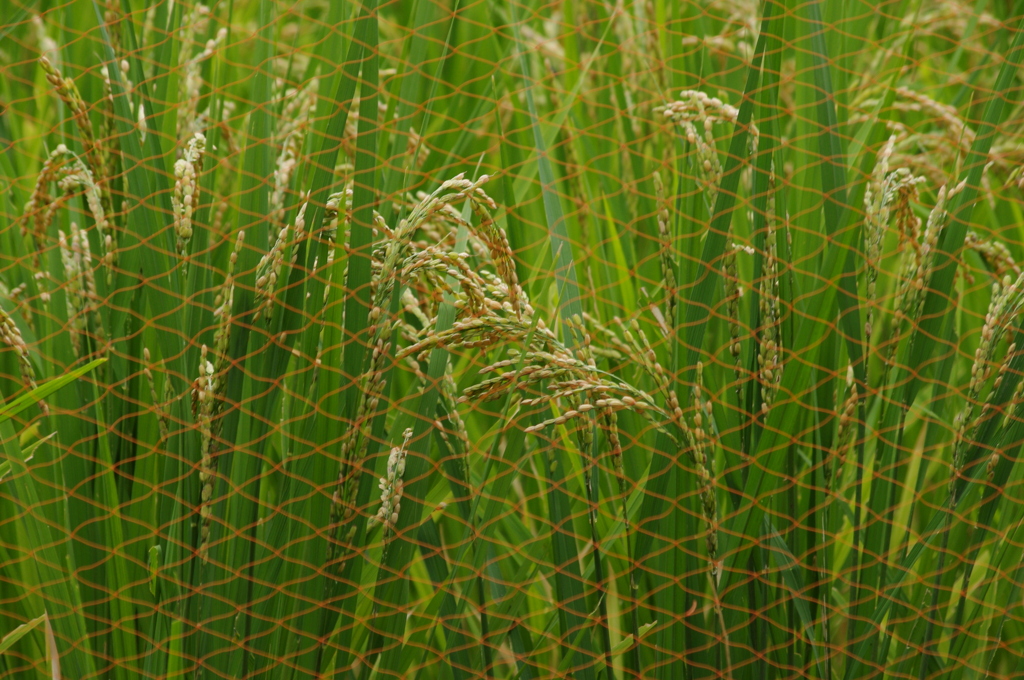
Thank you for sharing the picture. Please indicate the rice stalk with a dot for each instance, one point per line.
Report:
(39, 210)
(159, 405)
(1005, 304)
(697, 112)
(391, 490)
(268, 272)
(66, 170)
(185, 198)
(16, 297)
(995, 254)
(11, 336)
(731, 279)
(577, 381)
(208, 392)
(226, 172)
(189, 121)
(844, 434)
(666, 256)
(300, 106)
(701, 451)
(878, 197)
(84, 318)
(66, 89)
(769, 336)
(112, 17)
(915, 267)
(387, 279)
(456, 426)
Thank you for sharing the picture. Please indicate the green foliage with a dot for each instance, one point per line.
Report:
(512, 340)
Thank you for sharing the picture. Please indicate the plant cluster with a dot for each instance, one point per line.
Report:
(649, 339)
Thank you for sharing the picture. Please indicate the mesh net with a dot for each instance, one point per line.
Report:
(516, 339)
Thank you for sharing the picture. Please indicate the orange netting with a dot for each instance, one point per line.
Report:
(476, 339)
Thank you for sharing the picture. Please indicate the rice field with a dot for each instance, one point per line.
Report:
(440, 339)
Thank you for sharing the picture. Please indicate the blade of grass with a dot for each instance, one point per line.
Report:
(8, 640)
(227, 574)
(914, 355)
(698, 296)
(569, 587)
(904, 572)
(53, 582)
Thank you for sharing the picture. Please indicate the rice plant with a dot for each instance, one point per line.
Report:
(511, 339)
